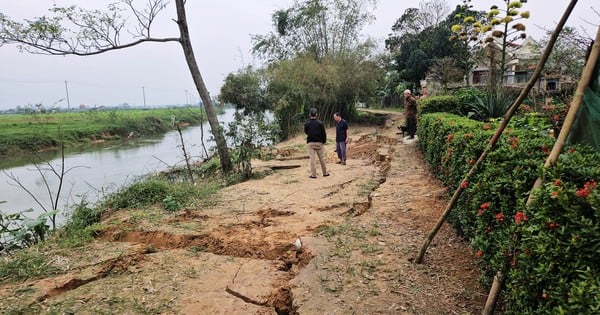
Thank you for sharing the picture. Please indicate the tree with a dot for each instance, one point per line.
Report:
(244, 90)
(415, 20)
(316, 27)
(419, 39)
(569, 53)
(498, 31)
(75, 31)
(317, 59)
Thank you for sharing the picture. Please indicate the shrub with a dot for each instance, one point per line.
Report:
(548, 251)
(139, 194)
(436, 104)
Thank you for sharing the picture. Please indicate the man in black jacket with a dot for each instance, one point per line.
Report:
(315, 138)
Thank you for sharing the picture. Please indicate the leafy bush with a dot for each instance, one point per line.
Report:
(17, 230)
(548, 251)
(436, 104)
(556, 270)
(468, 95)
(158, 190)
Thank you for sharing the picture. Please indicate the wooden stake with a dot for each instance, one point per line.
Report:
(506, 119)
(586, 77)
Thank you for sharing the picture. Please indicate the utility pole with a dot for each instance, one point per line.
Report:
(68, 100)
(144, 94)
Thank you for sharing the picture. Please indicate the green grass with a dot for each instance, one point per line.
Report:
(23, 133)
(25, 265)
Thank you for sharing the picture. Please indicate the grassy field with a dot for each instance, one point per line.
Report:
(42, 131)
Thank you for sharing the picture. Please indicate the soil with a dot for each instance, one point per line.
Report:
(280, 244)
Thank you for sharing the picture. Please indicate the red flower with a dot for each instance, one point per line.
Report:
(587, 189)
(484, 206)
(557, 182)
(520, 217)
(479, 253)
(500, 217)
(447, 188)
(571, 150)
(486, 127)
(464, 184)
(450, 137)
(555, 118)
(471, 161)
(554, 194)
(583, 192)
(545, 296)
(553, 225)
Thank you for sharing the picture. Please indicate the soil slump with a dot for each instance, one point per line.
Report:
(357, 228)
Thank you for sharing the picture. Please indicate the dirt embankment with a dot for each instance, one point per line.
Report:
(358, 230)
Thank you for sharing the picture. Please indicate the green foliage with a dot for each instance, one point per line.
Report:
(139, 194)
(80, 228)
(330, 85)
(439, 104)
(547, 250)
(158, 190)
(248, 134)
(18, 231)
(420, 41)
(468, 95)
(25, 265)
(244, 90)
(492, 105)
(557, 270)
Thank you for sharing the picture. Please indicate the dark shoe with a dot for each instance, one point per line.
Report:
(325, 175)
(344, 163)
(313, 176)
(339, 162)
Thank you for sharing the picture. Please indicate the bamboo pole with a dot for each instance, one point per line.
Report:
(558, 145)
(586, 77)
(507, 116)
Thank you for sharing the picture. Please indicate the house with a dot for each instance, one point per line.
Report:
(521, 62)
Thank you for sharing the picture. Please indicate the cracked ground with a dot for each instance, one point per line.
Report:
(359, 230)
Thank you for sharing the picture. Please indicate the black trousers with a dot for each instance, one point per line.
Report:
(411, 126)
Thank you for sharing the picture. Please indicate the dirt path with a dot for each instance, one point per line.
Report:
(359, 229)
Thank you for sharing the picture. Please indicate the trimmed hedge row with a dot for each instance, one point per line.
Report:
(548, 252)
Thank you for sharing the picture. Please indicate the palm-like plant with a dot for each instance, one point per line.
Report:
(491, 105)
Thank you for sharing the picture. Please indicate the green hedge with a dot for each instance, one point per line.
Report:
(548, 252)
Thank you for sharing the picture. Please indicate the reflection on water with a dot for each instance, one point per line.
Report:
(95, 171)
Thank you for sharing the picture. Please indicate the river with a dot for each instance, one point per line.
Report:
(98, 170)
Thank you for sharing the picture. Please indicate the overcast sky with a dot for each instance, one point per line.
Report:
(220, 31)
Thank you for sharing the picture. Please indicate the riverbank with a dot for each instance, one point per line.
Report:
(235, 252)
(36, 132)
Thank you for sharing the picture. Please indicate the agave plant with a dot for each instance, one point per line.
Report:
(491, 105)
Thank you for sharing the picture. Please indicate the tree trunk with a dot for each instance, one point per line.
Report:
(215, 128)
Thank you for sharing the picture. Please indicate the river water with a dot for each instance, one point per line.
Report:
(94, 172)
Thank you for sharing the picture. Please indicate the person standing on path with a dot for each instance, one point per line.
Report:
(410, 113)
(341, 137)
(315, 138)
